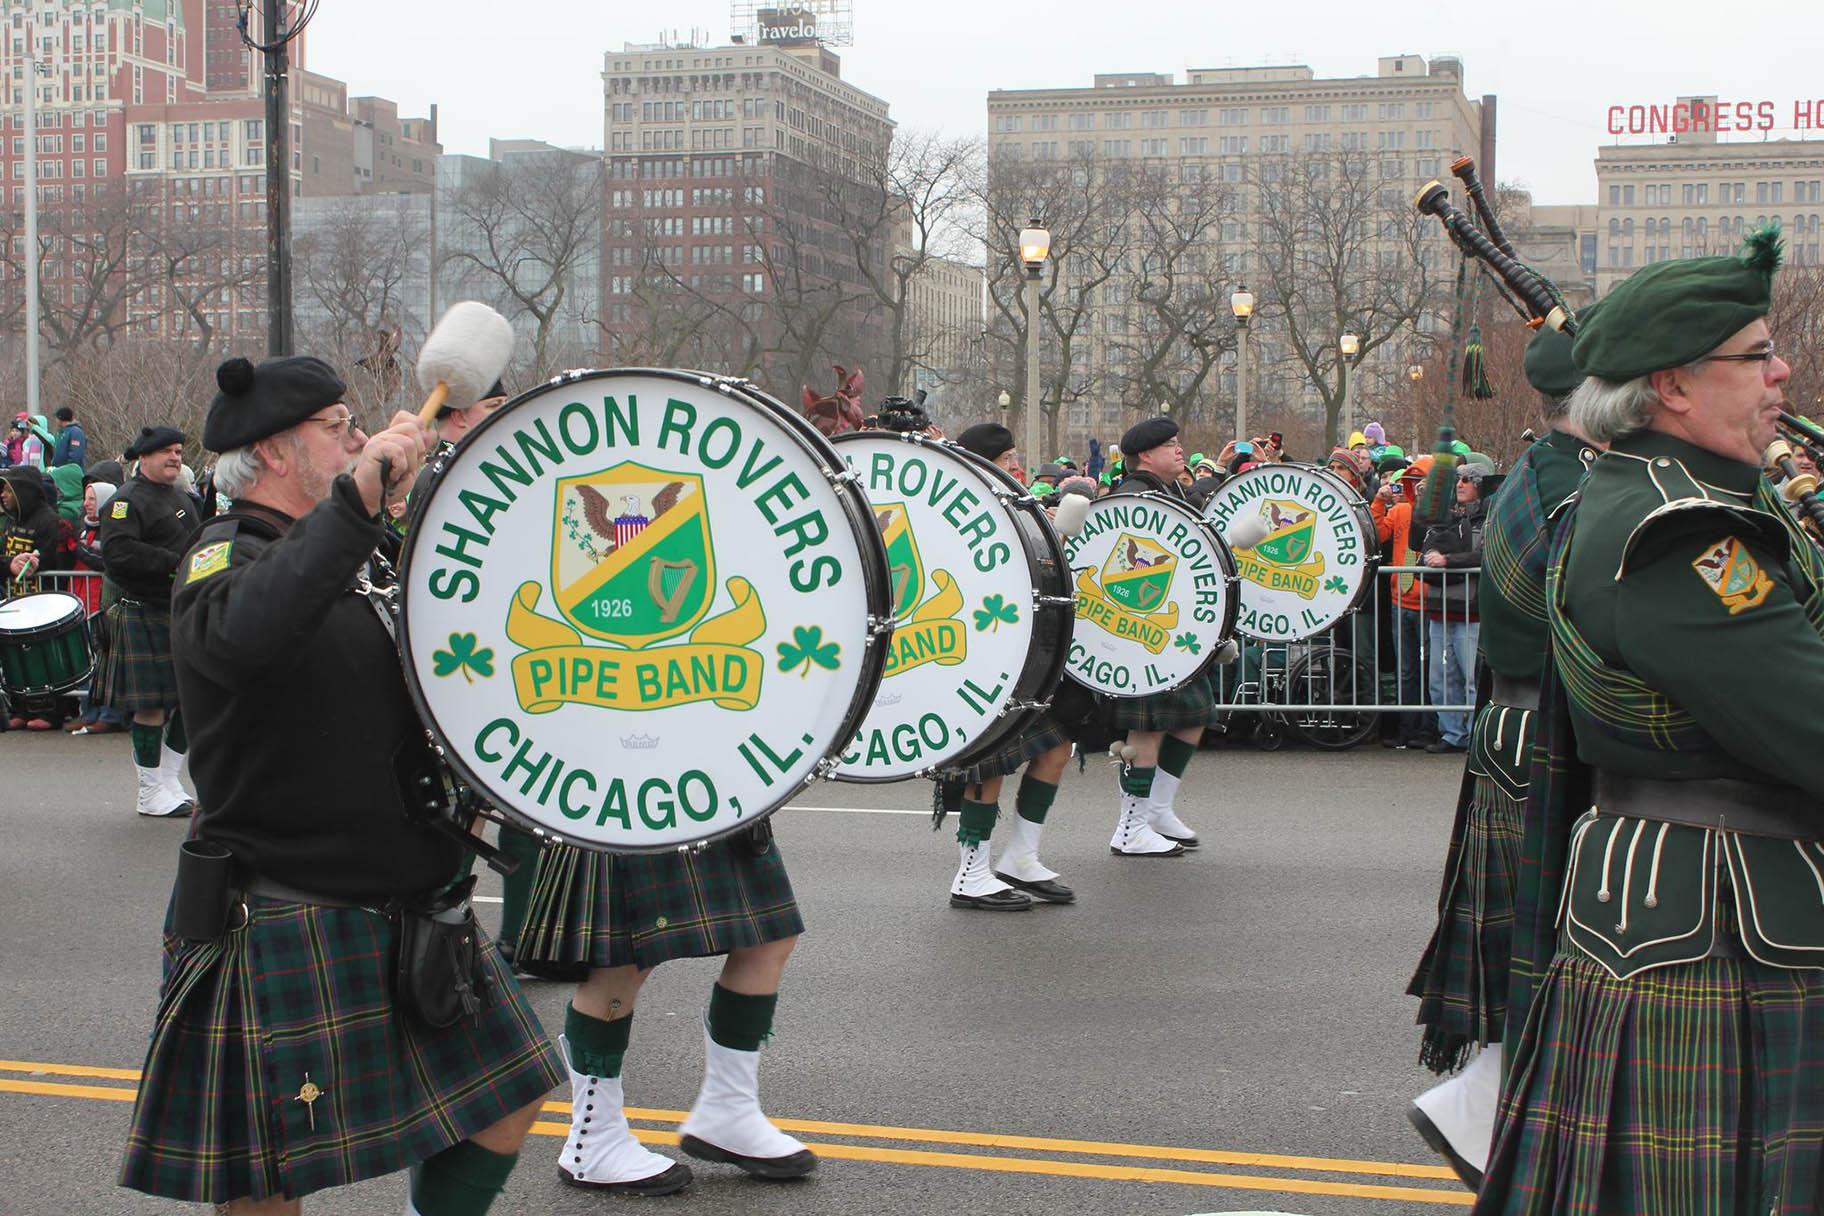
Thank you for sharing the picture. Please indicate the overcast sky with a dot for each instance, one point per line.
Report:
(533, 69)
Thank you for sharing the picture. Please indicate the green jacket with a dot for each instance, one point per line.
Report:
(1515, 545)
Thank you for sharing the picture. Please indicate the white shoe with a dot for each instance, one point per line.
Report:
(1457, 1117)
(601, 1152)
(1134, 837)
(156, 801)
(726, 1124)
(170, 768)
(1162, 819)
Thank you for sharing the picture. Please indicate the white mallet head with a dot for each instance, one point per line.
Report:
(1072, 510)
(467, 351)
(1246, 532)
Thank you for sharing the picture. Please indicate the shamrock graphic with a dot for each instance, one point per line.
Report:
(462, 656)
(806, 647)
(1335, 583)
(993, 611)
(1186, 641)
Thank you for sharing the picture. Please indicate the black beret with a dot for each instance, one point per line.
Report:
(1145, 436)
(498, 390)
(989, 440)
(256, 402)
(152, 438)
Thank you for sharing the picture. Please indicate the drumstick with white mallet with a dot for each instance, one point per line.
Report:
(463, 355)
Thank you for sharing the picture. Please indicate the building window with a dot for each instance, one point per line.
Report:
(1118, 120)
(1233, 117)
(1198, 145)
(1317, 113)
(1358, 113)
(1232, 145)
(1193, 118)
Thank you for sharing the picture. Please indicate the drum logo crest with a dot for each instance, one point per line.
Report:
(1284, 561)
(927, 630)
(1135, 582)
(633, 564)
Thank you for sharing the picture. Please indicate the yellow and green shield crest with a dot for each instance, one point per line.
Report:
(632, 560)
(1292, 531)
(1138, 574)
(903, 560)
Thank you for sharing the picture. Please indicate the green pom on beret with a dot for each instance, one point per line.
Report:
(1674, 313)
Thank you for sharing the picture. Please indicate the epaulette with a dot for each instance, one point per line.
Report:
(1747, 521)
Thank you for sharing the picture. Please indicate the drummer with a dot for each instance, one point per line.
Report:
(29, 546)
(147, 528)
(1043, 749)
(1163, 730)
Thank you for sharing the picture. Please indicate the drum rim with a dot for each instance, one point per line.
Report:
(874, 573)
(1370, 566)
(74, 615)
(1225, 557)
(1018, 501)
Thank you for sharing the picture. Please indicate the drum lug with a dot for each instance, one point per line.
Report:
(1041, 600)
(846, 476)
(878, 625)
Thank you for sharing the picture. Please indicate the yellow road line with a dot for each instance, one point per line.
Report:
(1056, 1168)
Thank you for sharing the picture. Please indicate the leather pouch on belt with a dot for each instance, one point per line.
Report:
(1641, 894)
(1779, 888)
(1501, 748)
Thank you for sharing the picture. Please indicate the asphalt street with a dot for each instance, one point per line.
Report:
(1218, 1033)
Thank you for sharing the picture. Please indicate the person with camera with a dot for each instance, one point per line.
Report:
(1451, 622)
(329, 1012)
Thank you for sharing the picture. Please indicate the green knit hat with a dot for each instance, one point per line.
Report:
(1673, 313)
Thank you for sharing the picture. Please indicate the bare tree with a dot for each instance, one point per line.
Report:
(356, 269)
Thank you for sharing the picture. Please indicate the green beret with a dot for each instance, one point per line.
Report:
(1548, 363)
(1673, 313)
(1145, 436)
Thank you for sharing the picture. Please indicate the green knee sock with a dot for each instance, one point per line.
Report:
(1175, 755)
(976, 823)
(739, 1021)
(1035, 798)
(462, 1180)
(145, 744)
(175, 738)
(596, 1046)
(1137, 781)
(516, 888)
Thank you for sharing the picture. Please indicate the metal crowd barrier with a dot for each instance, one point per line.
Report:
(1331, 689)
(84, 584)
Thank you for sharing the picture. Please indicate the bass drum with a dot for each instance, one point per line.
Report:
(981, 607)
(1155, 589)
(641, 609)
(1317, 562)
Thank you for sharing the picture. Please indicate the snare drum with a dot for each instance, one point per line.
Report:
(1317, 563)
(641, 609)
(44, 646)
(981, 607)
(1155, 589)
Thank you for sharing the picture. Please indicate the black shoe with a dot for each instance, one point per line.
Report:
(1466, 1173)
(1187, 843)
(797, 1165)
(1000, 901)
(1439, 747)
(1395, 742)
(1048, 889)
(670, 1182)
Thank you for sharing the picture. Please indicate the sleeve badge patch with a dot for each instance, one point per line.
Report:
(1731, 572)
(210, 559)
(119, 511)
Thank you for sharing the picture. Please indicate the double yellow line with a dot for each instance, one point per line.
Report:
(1054, 1157)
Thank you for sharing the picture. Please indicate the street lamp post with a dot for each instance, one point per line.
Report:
(1242, 305)
(1348, 345)
(32, 252)
(1035, 247)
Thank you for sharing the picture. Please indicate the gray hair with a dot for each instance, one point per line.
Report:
(1605, 410)
(237, 470)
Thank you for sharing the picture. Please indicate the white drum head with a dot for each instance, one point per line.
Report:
(40, 611)
(1315, 564)
(962, 606)
(637, 610)
(1155, 595)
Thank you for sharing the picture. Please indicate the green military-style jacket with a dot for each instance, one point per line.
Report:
(1511, 597)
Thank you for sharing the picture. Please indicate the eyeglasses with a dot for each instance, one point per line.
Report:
(335, 426)
(1764, 354)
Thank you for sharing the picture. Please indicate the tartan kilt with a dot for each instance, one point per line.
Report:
(1462, 978)
(1035, 740)
(612, 909)
(136, 671)
(1683, 1091)
(1192, 704)
(306, 989)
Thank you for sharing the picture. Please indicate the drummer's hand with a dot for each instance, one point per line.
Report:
(23, 564)
(390, 459)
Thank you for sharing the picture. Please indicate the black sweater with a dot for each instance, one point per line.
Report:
(145, 529)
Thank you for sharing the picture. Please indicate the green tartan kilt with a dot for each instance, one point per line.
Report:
(136, 671)
(304, 989)
(1682, 1091)
(1035, 740)
(610, 910)
(1192, 704)
(1461, 980)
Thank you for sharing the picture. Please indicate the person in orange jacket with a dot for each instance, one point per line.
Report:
(1392, 508)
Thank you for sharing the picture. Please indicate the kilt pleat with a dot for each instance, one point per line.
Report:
(1687, 1090)
(1035, 740)
(1462, 978)
(611, 910)
(1191, 704)
(302, 993)
(135, 670)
